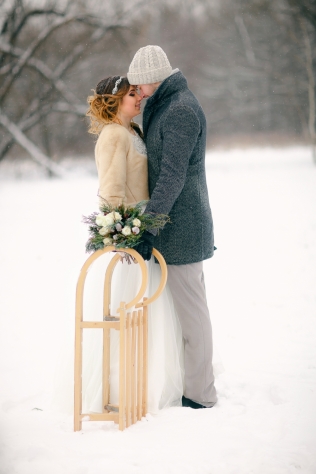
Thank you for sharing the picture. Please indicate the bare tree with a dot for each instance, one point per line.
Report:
(32, 73)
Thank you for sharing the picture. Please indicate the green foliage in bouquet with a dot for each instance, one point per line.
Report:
(120, 226)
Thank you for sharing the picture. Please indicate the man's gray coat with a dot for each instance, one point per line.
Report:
(175, 135)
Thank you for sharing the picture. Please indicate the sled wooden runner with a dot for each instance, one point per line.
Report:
(133, 346)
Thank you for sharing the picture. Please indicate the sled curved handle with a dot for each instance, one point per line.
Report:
(163, 280)
(139, 259)
(114, 261)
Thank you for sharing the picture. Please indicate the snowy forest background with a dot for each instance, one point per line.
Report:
(251, 65)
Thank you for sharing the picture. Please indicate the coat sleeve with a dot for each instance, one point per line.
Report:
(111, 156)
(180, 134)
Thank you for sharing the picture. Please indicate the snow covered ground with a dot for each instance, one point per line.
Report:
(261, 293)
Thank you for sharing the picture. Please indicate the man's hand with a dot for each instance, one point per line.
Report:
(145, 247)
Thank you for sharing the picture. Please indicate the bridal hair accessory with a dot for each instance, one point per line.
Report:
(117, 83)
(120, 226)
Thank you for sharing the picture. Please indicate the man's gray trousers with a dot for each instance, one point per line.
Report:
(186, 283)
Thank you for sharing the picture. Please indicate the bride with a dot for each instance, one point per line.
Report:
(121, 161)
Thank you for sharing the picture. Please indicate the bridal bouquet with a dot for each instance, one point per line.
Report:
(120, 226)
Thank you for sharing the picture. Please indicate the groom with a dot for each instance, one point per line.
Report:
(175, 134)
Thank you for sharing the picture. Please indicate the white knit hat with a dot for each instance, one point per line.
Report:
(150, 64)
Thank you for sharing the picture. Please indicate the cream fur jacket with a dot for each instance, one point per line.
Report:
(122, 171)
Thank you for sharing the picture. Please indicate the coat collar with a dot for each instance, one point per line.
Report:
(171, 85)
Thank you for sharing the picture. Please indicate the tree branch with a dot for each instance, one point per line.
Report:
(36, 154)
(41, 67)
(29, 15)
(30, 51)
(245, 39)
(64, 107)
(30, 121)
(80, 48)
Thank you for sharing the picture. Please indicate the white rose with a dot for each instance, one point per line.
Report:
(126, 230)
(103, 231)
(107, 241)
(117, 216)
(108, 219)
(100, 220)
(137, 223)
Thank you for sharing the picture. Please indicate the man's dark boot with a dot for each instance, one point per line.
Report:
(186, 402)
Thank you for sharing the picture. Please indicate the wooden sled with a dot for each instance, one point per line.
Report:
(133, 353)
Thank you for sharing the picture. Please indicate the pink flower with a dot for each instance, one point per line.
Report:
(135, 230)
(118, 227)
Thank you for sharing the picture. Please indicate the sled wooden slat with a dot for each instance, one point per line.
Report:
(134, 368)
(145, 361)
(128, 369)
(133, 345)
(122, 394)
(106, 368)
(100, 417)
(101, 324)
(140, 365)
(78, 378)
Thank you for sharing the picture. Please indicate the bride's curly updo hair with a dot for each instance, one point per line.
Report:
(104, 105)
